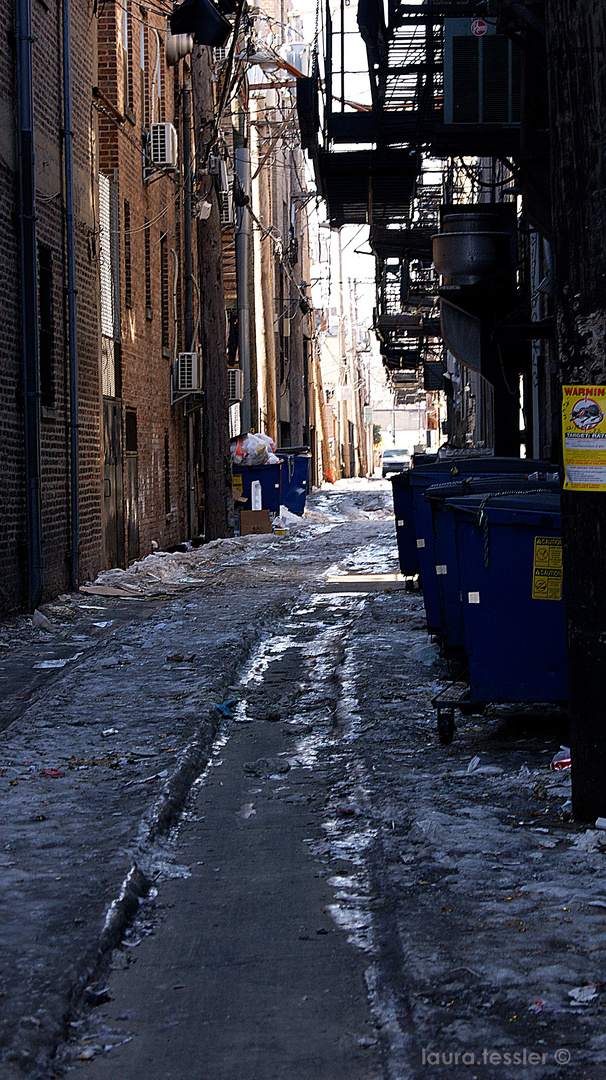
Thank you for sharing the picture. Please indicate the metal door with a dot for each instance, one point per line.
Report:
(113, 501)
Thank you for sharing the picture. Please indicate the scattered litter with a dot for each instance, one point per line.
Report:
(423, 654)
(40, 621)
(266, 767)
(246, 811)
(483, 770)
(601, 824)
(105, 734)
(226, 708)
(583, 995)
(92, 996)
(591, 840)
(53, 773)
(101, 625)
(50, 665)
(106, 590)
(561, 759)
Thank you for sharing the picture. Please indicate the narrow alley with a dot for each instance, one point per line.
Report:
(234, 847)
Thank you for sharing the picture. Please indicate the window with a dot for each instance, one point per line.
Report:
(157, 82)
(109, 281)
(166, 473)
(148, 289)
(46, 328)
(130, 425)
(127, 58)
(128, 266)
(164, 292)
(144, 69)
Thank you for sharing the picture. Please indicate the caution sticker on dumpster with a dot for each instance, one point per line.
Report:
(547, 568)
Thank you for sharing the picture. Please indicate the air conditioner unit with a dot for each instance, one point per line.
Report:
(226, 207)
(187, 373)
(163, 146)
(481, 74)
(235, 384)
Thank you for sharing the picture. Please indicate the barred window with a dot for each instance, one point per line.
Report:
(46, 327)
(164, 292)
(128, 266)
(148, 288)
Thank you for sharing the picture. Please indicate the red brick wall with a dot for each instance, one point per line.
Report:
(115, 149)
(55, 463)
(146, 366)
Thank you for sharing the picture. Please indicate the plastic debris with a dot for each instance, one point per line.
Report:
(94, 996)
(483, 770)
(266, 767)
(561, 759)
(601, 824)
(583, 995)
(49, 665)
(226, 708)
(53, 773)
(252, 449)
(40, 621)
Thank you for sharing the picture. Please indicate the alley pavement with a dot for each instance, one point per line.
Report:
(233, 846)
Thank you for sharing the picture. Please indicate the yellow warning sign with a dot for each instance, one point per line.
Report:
(547, 568)
(584, 437)
(238, 482)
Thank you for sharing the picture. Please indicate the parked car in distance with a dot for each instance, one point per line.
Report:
(395, 461)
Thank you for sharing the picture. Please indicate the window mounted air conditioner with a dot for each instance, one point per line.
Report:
(235, 384)
(187, 373)
(163, 146)
(226, 207)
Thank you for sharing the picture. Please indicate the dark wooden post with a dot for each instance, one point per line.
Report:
(576, 42)
(218, 502)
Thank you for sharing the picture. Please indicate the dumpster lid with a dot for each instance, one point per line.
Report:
(401, 479)
(482, 485)
(537, 508)
(453, 467)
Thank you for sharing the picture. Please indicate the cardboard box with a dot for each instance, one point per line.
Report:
(253, 522)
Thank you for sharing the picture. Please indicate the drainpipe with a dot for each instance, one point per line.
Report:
(242, 231)
(187, 190)
(72, 332)
(187, 278)
(28, 257)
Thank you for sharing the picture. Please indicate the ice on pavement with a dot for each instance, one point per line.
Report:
(329, 506)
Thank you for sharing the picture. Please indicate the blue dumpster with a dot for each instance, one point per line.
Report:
(440, 472)
(509, 550)
(294, 478)
(269, 477)
(408, 554)
(447, 565)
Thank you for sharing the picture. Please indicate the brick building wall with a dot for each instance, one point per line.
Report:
(149, 222)
(54, 373)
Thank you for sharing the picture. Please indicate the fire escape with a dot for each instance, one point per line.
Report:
(415, 81)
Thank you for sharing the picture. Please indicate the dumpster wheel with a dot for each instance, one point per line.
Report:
(446, 724)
